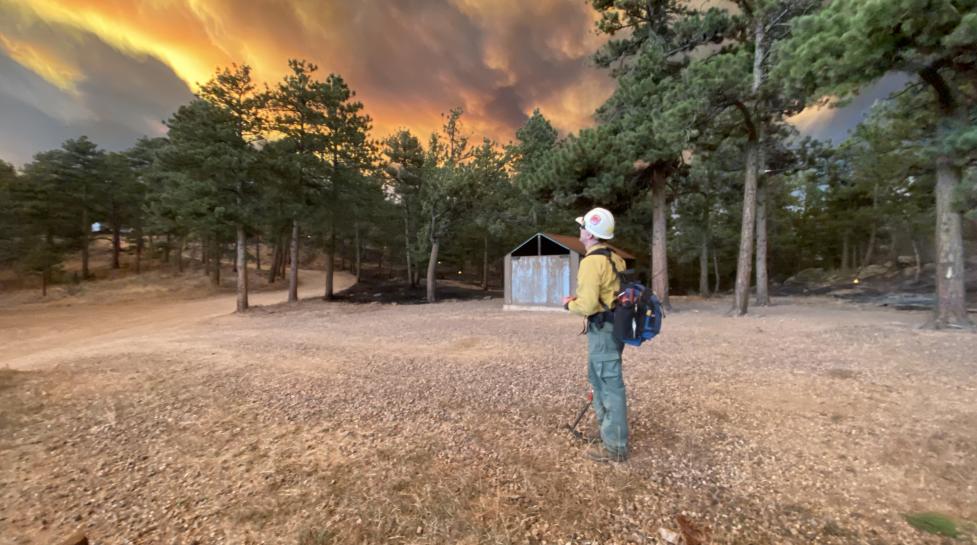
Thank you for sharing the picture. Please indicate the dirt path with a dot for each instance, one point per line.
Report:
(37, 333)
(811, 421)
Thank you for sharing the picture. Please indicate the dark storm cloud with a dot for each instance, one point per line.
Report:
(409, 60)
(507, 106)
(835, 124)
(113, 69)
(116, 99)
(134, 93)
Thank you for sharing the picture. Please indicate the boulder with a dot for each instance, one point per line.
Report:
(906, 260)
(838, 277)
(869, 271)
(814, 275)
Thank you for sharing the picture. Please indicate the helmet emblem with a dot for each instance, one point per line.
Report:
(595, 219)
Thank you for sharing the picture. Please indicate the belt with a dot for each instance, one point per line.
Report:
(600, 317)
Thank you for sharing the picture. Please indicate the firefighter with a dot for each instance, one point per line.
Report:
(597, 285)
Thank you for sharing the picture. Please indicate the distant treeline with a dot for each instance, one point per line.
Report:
(692, 152)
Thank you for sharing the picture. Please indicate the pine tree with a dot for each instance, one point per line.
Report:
(148, 187)
(535, 141)
(326, 143)
(650, 120)
(203, 165)
(495, 212)
(49, 222)
(81, 169)
(349, 154)
(404, 170)
(851, 43)
(445, 193)
(233, 92)
(122, 199)
(10, 223)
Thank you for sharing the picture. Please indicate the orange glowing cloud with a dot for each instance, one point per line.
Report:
(155, 29)
(41, 61)
(408, 62)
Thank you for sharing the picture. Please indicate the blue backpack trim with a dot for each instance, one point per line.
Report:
(638, 312)
(648, 323)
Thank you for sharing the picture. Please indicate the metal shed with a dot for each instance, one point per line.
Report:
(541, 270)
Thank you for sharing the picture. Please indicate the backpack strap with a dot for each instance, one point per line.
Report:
(621, 275)
(607, 253)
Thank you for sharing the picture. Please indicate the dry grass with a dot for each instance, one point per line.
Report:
(156, 281)
(340, 423)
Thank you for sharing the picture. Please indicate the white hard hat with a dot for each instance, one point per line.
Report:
(598, 222)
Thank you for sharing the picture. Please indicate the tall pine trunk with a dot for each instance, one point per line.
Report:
(85, 230)
(257, 252)
(432, 267)
(870, 251)
(293, 273)
(743, 263)
(754, 128)
(410, 277)
(286, 257)
(179, 253)
(762, 294)
(46, 272)
(205, 253)
(951, 294)
(116, 246)
(215, 261)
(276, 255)
(242, 270)
(844, 251)
(139, 249)
(659, 249)
(951, 304)
(330, 264)
(715, 268)
(139, 256)
(919, 264)
(359, 254)
(485, 263)
(704, 267)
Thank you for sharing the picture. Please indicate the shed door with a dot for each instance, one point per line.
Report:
(540, 280)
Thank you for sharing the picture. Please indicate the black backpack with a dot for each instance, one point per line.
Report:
(637, 312)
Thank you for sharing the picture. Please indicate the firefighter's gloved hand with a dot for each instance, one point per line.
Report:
(566, 301)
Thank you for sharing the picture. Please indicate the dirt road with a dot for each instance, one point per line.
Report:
(34, 334)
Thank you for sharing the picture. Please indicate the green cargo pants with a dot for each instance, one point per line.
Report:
(610, 400)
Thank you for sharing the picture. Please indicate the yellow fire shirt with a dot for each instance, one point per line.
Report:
(596, 282)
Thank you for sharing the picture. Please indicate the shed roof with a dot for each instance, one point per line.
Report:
(574, 244)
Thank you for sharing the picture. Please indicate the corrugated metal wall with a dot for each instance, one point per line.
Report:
(540, 280)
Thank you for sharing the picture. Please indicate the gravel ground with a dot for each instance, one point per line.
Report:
(812, 421)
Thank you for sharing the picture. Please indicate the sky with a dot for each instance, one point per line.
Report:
(115, 69)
